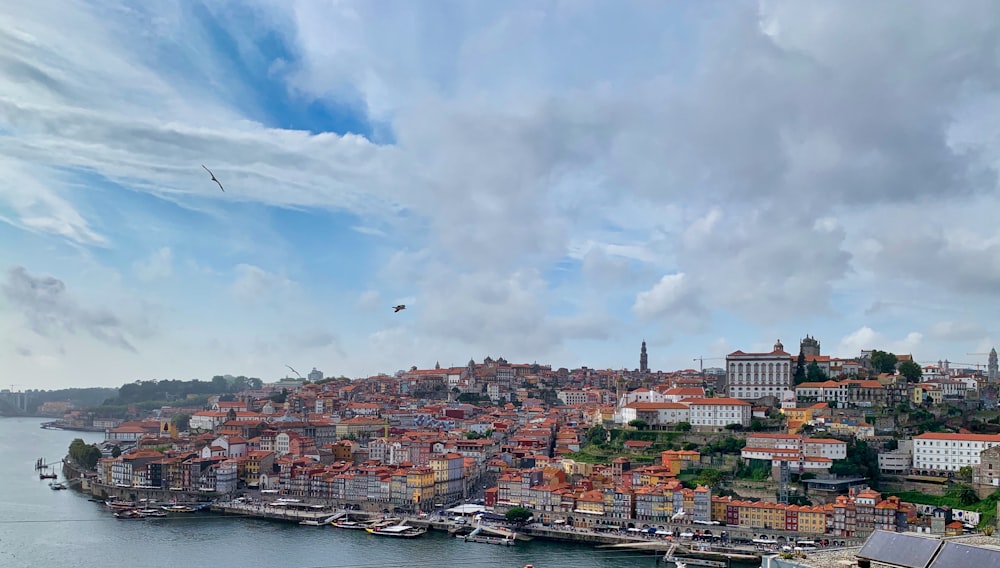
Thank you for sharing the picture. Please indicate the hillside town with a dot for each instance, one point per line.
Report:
(773, 442)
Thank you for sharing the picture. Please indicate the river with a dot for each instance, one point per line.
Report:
(40, 527)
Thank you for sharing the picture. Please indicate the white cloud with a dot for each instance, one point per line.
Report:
(772, 169)
(157, 266)
(254, 284)
(673, 301)
(866, 338)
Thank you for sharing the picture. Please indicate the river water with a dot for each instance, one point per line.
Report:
(40, 527)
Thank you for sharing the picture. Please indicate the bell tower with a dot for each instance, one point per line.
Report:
(643, 359)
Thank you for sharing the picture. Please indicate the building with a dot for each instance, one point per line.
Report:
(809, 347)
(315, 375)
(898, 461)
(717, 413)
(751, 376)
(992, 367)
(935, 451)
(643, 359)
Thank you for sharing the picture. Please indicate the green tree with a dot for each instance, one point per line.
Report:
(83, 454)
(965, 472)
(756, 425)
(814, 374)
(683, 426)
(911, 370)
(800, 368)
(710, 477)
(638, 424)
(597, 434)
(116, 451)
(182, 420)
(518, 515)
(280, 397)
(883, 362)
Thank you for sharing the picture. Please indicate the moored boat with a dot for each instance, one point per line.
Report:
(399, 531)
(129, 515)
(57, 486)
(311, 523)
(119, 505)
(48, 476)
(350, 525)
(178, 509)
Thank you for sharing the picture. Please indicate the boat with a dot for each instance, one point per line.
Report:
(58, 486)
(155, 513)
(48, 476)
(350, 525)
(129, 515)
(399, 531)
(486, 539)
(311, 523)
(119, 505)
(178, 508)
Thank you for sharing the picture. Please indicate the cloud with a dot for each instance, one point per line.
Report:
(37, 207)
(527, 189)
(965, 331)
(315, 339)
(672, 301)
(369, 300)
(50, 310)
(254, 284)
(157, 266)
(866, 338)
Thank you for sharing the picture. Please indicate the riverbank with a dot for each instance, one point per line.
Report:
(62, 425)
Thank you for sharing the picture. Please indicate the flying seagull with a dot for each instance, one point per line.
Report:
(214, 179)
(294, 371)
(397, 309)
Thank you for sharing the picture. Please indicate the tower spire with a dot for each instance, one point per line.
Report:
(643, 359)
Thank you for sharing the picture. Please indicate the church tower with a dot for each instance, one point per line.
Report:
(643, 359)
(992, 366)
(809, 346)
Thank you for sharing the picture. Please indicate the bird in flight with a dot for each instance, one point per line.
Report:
(214, 179)
(294, 371)
(397, 309)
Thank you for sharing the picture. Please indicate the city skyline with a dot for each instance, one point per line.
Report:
(550, 182)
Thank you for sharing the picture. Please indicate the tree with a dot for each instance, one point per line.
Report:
(756, 425)
(966, 472)
(883, 362)
(683, 426)
(518, 515)
(911, 370)
(182, 420)
(638, 424)
(116, 451)
(280, 397)
(83, 454)
(800, 368)
(597, 434)
(814, 374)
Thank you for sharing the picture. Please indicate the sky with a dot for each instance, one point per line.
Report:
(551, 181)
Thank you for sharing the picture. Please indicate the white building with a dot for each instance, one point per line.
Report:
(718, 412)
(656, 413)
(935, 451)
(751, 376)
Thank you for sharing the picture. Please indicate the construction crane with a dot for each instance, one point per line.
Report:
(701, 362)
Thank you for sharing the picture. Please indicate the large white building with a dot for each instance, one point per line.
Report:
(718, 412)
(935, 451)
(750, 376)
(656, 413)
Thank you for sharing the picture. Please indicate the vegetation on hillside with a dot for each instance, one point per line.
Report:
(958, 496)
